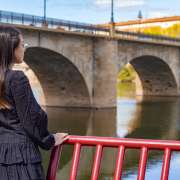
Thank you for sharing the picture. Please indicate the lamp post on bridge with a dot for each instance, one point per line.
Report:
(112, 11)
(44, 21)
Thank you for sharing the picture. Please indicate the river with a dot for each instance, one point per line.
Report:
(134, 117)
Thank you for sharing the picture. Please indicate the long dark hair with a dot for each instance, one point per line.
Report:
(9, 41)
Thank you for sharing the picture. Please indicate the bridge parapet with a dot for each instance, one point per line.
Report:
(82, 28)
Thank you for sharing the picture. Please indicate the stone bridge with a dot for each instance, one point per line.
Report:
(76, 70)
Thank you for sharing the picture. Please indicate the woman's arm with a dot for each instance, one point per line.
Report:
(32, 117)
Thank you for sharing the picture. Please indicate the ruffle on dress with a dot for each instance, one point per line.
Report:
(15, 153)
(22, 172)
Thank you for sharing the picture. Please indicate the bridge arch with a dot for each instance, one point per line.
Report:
(155, 75)
(62, 83)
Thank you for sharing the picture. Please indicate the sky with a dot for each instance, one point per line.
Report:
(94, 11)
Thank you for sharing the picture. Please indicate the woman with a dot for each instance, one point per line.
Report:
(23, 123)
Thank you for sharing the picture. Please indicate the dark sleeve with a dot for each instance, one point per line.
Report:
(32, 117)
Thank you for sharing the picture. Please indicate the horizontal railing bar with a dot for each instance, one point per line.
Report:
(127, 142)
(135, 34)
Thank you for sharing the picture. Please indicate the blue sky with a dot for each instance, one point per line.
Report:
(94, 11)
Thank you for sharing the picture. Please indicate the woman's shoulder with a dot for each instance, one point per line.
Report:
(16, 75)
(16, 79)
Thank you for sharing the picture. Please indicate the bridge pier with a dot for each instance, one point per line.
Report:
(105, 73)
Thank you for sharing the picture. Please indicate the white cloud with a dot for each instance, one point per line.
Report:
(120, 3)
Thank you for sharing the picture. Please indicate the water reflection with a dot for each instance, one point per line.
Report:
(128, 116)
(158, 118)
(153, 118)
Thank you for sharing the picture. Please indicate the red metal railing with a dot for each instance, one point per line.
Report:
(122, 144)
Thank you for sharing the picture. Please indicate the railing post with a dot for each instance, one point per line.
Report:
(142, 163)
(53, 164)
(75, 161)
(33, 20)
(166, 164)
(97, 162)
(12, 18)
(0, 16)
(119, 163)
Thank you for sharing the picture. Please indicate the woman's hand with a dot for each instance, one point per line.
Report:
(60, 138)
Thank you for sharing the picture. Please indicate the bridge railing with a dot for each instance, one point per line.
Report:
(38, 21)
(122, 144)
(141, 36)
(65, 25)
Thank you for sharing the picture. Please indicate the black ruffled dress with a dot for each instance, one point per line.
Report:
(23, 129)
